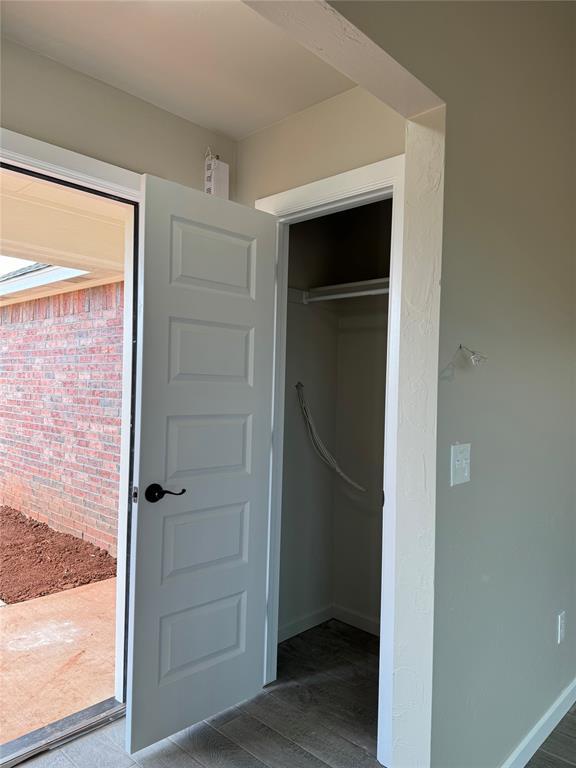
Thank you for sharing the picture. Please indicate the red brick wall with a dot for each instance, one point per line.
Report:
(60, 400)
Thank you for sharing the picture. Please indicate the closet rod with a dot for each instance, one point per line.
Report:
(376, 287)
(348, 295)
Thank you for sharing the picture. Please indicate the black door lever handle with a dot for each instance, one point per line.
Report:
(155, 492)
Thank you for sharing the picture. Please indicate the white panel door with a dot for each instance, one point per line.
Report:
(203, 403)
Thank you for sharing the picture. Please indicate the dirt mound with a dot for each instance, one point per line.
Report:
(36, 561)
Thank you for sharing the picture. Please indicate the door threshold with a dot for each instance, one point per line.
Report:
(54, 735)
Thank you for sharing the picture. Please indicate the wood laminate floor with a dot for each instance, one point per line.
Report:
(559, 749)
(321, 712)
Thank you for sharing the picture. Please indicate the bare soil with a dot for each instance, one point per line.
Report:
(36, 561)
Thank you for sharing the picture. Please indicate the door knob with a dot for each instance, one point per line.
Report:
(155, 492)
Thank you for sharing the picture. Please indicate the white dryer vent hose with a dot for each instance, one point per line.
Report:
(317, 443)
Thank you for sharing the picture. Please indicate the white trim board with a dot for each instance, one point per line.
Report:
(65, 165)
(312, 619)
(370, 624)
(302, 623)
(537, 735)
(344, 190)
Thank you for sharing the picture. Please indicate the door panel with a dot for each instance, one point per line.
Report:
(198, 575)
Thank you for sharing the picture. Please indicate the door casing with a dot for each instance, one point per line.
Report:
(69, 167)
(371, 183)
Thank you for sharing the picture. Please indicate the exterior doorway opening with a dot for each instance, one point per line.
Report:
(65, 341)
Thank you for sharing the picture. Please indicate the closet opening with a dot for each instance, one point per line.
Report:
(333, 466)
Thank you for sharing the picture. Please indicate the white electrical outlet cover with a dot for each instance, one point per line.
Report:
(459, 463)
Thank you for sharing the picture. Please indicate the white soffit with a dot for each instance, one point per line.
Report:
(216, 63)
(54, 224)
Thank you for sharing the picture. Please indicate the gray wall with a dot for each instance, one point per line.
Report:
(361, 382)
(48, 101)
(306, 579)
(336, 135)
(331, 533)
(506, 555)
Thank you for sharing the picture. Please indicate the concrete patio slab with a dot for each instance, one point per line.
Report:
(56, 656)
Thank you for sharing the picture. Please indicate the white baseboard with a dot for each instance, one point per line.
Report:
(543, 728)
(302, 623)
(356, 619)
(309, 620)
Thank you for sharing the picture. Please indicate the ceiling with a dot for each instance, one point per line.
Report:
(216, 63)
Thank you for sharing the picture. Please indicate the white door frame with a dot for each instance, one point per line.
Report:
(360, 186)
(72, 168)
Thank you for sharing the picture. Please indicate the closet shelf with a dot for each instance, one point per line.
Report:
(341, 291)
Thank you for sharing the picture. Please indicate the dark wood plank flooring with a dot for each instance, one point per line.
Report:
(559, 749)
(320, 712)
